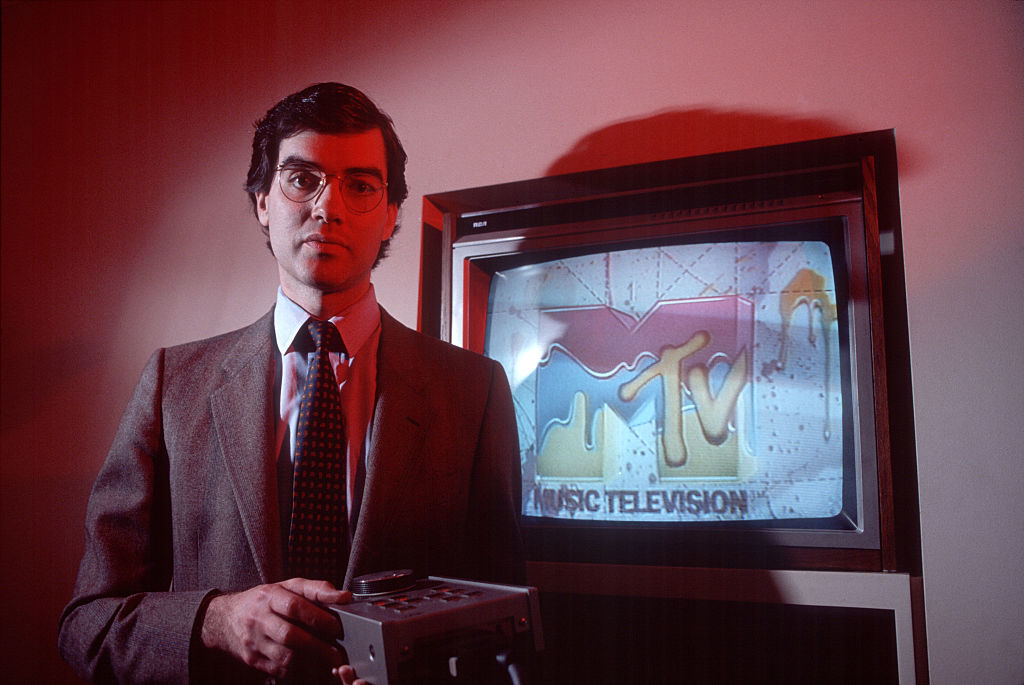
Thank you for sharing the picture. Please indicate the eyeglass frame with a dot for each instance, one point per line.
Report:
(323, 184)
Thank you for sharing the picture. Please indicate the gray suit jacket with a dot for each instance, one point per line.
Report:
(186, 504)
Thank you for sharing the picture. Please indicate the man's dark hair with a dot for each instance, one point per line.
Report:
(324, 108)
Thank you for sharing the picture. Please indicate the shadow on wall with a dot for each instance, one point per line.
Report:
(699, 131)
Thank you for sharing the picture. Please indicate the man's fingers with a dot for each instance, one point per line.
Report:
(288, 601)
(320, 591)
(285, 639)
(347, 675)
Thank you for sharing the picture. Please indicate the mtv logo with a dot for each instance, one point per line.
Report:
(667, 387)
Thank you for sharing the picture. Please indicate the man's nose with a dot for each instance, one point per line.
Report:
(328, 205)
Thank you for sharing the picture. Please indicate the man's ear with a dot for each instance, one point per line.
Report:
(392, 218)
(262, 214)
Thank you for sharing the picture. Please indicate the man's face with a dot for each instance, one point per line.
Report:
(323, 248)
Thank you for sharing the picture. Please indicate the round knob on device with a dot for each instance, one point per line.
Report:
(385, 581)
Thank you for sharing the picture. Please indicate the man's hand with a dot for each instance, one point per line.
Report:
(278, 628)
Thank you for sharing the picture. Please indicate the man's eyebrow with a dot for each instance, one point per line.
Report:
(296, 160)
(301, 161)
(369, 171)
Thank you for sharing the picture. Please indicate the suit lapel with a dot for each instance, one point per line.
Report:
(400, 422)
(242, 409)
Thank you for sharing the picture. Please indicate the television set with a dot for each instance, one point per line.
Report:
(708, 356)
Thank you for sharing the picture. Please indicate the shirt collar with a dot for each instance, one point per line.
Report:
(355, 324)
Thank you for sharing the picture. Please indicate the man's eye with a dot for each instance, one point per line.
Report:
(302, 180)
(362, 186)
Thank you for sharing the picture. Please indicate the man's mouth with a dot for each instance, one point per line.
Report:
(318, 240)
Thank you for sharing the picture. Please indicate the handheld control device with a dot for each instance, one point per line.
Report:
(399, 630)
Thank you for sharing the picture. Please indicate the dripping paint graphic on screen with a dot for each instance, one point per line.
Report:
(694, 382)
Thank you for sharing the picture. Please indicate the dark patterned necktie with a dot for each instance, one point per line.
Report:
(318, 538)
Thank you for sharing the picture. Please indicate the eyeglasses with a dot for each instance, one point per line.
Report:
(361, 192)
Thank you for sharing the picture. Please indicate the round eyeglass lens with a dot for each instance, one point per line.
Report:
(362, 192)
(299, 183)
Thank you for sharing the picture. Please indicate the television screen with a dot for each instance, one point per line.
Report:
(708, 355)
(701, 381)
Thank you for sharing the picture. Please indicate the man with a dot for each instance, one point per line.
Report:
(193, 567)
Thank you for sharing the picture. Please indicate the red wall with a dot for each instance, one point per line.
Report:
(126, 128)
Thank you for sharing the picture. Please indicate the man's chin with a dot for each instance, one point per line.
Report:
(334, 286)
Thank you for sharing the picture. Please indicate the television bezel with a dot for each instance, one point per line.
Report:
(852, 177)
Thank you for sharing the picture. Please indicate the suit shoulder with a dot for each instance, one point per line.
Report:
(223, 347)
(444, 353)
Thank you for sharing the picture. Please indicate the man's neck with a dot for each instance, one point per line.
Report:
(321, 305)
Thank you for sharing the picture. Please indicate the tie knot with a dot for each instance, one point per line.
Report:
(325, 335)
